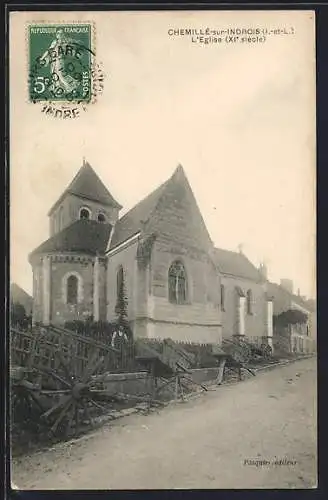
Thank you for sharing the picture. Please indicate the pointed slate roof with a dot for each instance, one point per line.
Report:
(136, 219)
(236, 264)
(88, 185)
(132, 222)
(83, 236)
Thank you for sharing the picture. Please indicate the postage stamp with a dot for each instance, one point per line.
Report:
(60, 62)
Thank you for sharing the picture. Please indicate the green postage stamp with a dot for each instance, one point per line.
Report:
(60, 59)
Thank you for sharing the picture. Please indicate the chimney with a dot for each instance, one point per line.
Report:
(287, 284)
(240, 248)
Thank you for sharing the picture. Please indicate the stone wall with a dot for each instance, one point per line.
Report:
(37, 290)
(201, 375)
(184, 332)
(180, 235)
(61, 311)
(125, 257)
(140, 383)
(69, 209)
(203, 282)
(302, 344)
(198, 320)
(60, 268)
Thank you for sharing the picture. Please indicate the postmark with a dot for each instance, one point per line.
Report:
(62, 69)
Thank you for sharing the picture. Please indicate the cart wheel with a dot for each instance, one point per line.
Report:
(71, 401)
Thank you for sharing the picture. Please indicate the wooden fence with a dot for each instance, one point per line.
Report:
(50, 347)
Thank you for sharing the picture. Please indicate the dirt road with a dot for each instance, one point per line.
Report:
(260, 433)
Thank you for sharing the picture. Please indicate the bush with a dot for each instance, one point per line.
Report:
(98, 330)
(18, 316)
(290, 317)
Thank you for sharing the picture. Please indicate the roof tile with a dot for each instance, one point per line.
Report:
(85, 236)
(87, 184)
(156, 208)
(133, 220)
(236, 264)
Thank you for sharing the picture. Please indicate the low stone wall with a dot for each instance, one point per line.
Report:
(201, 375)
(137, 383)
(140, 383)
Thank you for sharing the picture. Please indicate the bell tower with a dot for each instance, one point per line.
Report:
(69, 268)
(86, 198)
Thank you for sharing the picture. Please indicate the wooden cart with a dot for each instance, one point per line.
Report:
(55, 373)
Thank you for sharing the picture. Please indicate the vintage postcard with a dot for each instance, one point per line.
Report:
(162, 250)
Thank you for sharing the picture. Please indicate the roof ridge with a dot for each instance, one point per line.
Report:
(141, 213)
(160, 189)
(132, 219)
(226, 250)
(240, 254)
(15, 285)
(86, 166)
(233, 263)
(147, 197)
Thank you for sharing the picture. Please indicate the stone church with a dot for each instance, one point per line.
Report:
(177, 283)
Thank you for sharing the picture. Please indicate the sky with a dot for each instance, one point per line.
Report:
(240, 118)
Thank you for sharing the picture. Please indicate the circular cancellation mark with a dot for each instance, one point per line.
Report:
(65, 78)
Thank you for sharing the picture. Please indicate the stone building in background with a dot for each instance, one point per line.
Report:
(301, 335)
(19, 296)
(246, 305)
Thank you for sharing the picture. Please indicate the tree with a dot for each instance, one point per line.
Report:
(121, 308)
(290, 317)
(18, 314)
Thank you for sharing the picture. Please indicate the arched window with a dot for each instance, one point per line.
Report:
(222, 297)
(101, 218)
(85, 213)
(72, 290)
(177, 283)
(249, 301)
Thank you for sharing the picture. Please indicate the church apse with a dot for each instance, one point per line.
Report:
(65, 288)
